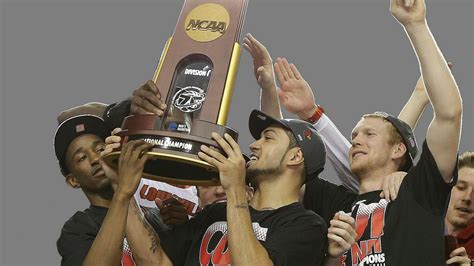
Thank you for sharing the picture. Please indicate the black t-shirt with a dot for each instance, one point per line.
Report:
(326, 198)
(407, 231)
(78, 234)
(291, 235)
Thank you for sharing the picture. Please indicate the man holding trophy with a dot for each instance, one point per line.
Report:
(192, 146)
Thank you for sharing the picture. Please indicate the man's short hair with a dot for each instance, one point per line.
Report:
(466, 160)
(399, 132)
(394, 135)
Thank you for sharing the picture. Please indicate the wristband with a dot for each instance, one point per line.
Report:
(316, 115)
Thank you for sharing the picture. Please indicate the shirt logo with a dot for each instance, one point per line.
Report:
(307, 134)
(370, 221)
(80, 128)
(214, 248)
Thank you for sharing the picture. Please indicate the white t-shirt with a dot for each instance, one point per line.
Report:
(149, 190)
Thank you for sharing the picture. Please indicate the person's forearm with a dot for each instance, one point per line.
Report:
(108, 244)
(240, 231)
(439, 82)
(269, 102)
(144, 242)
(444, 131)
(414, 108)
(337, 151)
(92, 108)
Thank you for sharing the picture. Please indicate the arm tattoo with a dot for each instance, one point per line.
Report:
(154, 239)
(242, 206)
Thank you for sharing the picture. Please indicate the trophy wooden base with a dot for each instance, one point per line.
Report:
(173, 159)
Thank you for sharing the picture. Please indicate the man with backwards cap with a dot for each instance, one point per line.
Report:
(95, 236)
(409, 229)
(273, 228)
(146, 99)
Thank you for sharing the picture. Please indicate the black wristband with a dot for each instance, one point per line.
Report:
(115, 113)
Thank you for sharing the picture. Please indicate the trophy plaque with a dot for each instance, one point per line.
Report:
(196, 75)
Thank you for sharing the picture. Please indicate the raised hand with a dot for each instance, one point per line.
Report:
(147, 100)
(408, 11)
(295, 94)
(231, 168)
(262, 62)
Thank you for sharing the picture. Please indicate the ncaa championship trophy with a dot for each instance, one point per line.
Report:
(195, 75)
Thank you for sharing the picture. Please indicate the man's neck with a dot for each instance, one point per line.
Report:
(274, 193)
(452, 230)
(373, 180)
(101, 200)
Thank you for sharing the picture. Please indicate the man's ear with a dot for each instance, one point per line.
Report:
(72, 181)
(295, 156)
(249, 191)
(399, 151)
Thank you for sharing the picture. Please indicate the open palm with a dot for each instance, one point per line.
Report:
(262, 62)
(295, 94)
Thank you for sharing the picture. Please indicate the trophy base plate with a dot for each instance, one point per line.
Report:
(174, 168)
(173, 158)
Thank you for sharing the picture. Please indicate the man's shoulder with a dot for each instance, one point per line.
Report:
(77, 218)
(322, 186)
(81, 221)
(426, 163)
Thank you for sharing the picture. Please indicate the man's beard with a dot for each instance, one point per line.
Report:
(253, 174)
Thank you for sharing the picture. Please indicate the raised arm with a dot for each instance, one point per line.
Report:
(445, 128)
(146, 99)
(141, 237)
(263, 70)
(232, 177)
(93, 108)
(107, 246)
(143, 240)
(415, 106)
(297, 97)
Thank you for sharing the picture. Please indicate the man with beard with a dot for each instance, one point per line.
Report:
(95, 236)
(407, 230)
(275, 228)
